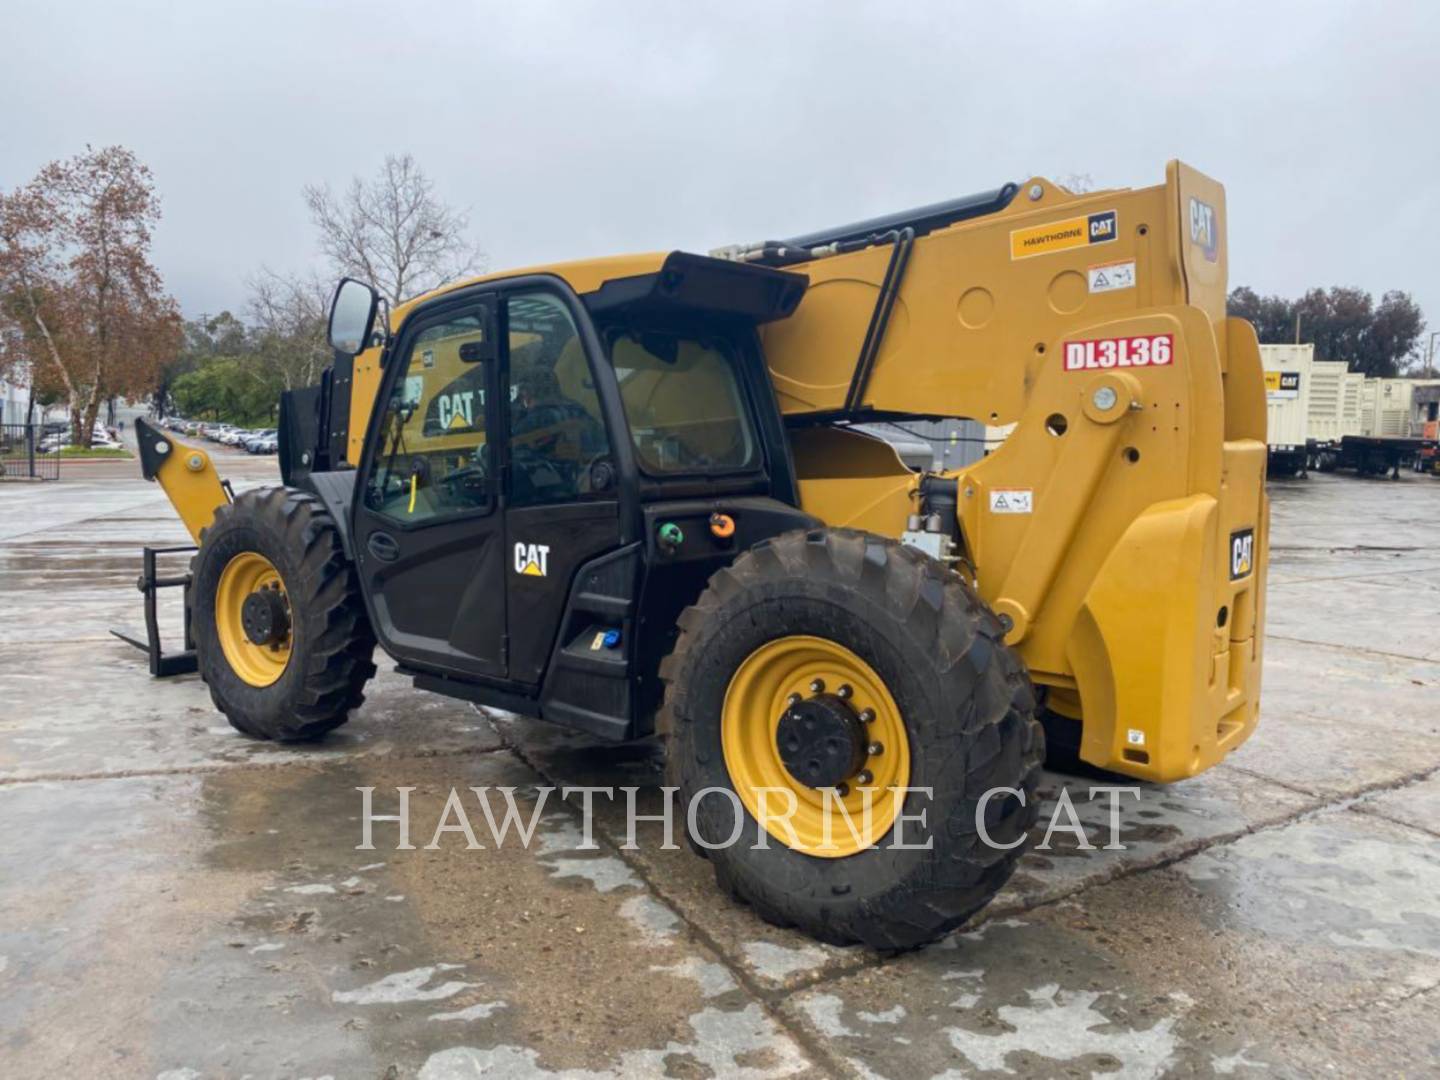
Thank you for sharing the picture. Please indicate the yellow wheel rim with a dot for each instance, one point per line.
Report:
(246, 573)
(829, 822)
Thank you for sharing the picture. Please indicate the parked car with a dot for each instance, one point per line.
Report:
(100, 439)
(256, 438)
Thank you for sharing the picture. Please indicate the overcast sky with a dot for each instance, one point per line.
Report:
(576, 129)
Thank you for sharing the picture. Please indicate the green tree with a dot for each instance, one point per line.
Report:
(1342, 323)
(204, 338)
(229, 389)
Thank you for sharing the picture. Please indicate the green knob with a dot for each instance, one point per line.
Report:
(670, 534)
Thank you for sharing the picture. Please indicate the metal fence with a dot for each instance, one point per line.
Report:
(22, 456)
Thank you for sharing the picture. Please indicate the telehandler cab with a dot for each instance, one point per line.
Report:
(628, 496)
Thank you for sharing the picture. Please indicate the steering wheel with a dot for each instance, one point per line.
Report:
(469, 484)
(598, 473)
(465, 486)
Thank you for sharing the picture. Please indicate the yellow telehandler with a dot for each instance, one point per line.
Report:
(631, 496)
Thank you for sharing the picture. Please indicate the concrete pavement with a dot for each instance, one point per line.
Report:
(181, 902)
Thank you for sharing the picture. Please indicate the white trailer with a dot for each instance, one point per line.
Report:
(1389, 436)
(1354, 393)
(1288, 377)
(1334, 402)
(1387, 407)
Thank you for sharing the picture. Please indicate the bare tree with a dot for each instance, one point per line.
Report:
(393, 232)
(75, 270)
(287, 325)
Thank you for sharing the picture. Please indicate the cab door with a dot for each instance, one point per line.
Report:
(429, 533)
(562, 501)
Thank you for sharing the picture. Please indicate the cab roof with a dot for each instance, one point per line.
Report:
(658, 283)
(582, 275)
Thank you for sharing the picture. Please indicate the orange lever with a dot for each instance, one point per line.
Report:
(722, 526)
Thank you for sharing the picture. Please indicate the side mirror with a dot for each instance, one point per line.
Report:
(352, 316)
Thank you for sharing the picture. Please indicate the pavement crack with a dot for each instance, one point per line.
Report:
(230, 766)
(1157, 861)
(1296, 789)
(1274, 581)
(767, 998)
(1370, 811)
(1390, 1002)
(1352, 648)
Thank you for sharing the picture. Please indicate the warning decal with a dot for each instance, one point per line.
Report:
(1110, 277)
(1012, 501)
(1055, 236)
(1145, 350)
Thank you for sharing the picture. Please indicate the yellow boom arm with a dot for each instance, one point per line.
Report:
(186, 475)
(1120, 529)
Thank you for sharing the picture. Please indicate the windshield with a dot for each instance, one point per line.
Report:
(685, 407)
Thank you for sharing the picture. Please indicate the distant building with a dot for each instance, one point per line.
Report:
(1425, 419)
(14, 399)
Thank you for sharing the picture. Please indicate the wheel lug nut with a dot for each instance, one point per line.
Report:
(865, 777)
(844, 692)
(842, 789)
(817, 686)
(867, 716)
(793, 699)
(875, 749)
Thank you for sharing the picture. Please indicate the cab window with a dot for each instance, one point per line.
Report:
(432, 457)
(684, 402)
(558, 448)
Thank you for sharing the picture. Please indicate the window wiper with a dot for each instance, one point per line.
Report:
(397, 441)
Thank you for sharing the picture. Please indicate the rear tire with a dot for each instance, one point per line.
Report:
(965, 701)
(330, 642)
(1062, 750)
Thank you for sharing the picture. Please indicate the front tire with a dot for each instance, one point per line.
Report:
(963, 719)
(281, 635)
